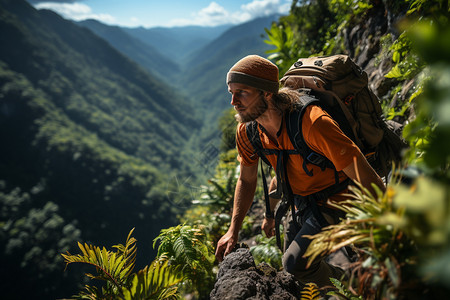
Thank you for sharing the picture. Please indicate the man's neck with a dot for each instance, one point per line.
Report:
(271, 121)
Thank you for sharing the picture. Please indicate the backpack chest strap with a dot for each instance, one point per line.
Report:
(320, 196)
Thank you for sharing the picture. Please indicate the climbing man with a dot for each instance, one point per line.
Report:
(254, 87)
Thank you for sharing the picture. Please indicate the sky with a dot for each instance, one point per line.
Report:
(164, 13)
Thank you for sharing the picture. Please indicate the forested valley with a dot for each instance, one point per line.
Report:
(131, 154)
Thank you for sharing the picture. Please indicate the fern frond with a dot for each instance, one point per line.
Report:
(91, 294)
(112, 267)
(221, 190)
(128, 252)
(96, 257)
(157, 281)
(184, 250)
(342, 291)
(310, 292)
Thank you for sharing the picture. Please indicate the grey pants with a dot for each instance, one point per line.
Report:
(295, 245)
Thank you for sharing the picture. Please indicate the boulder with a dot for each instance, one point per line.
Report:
(239, 278)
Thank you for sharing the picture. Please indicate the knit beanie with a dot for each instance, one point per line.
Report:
(255, 71)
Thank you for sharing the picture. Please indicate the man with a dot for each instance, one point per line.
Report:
(254, 86)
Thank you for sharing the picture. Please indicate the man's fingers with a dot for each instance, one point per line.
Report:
(223, 250)
(220, 252)
(229, 249)
(268, 227)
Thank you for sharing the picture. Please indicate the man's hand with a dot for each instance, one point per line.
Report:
(243, 198)
(268, 226)
(225, 245)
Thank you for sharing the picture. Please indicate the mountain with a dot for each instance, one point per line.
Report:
(143, 54)
(177, 42)
(203, 75)
(92, 145)
(202, 66)
(239, 40)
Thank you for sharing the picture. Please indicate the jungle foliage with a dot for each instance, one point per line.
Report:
(401, 237)
(90, 144)
(82, 133)
(159, 280)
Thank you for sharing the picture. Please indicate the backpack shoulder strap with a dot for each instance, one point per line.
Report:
(294, 130)
(253, 136)
(255, 140)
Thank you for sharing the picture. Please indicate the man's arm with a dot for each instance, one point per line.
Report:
(243, 198)
(361, 171)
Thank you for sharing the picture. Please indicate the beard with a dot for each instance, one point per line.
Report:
(254, 113)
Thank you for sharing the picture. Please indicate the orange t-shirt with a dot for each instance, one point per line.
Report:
(322, 134)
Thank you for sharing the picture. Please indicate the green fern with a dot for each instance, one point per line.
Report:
(188, 247)
(342, 291)
(267, 251)
(310, 292)
(219, 195)
(185, 245)
(157, 281)
(128, 252)
(112, 267)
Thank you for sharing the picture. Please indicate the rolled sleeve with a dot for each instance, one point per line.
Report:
(246, 153)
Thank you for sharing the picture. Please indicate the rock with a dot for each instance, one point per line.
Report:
(239, 278)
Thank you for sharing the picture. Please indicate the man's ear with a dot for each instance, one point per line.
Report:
(267, 95)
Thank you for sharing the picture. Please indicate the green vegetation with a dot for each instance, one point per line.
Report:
(189, 248)
(184, 256)
(401, 237)
(266, 250)
(92, 146)
(157, 281)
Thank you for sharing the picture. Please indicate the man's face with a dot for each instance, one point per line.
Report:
(248, 102)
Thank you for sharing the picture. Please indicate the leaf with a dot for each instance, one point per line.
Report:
(112, 267)
(157, 281)
(395, 72)
(310, 292)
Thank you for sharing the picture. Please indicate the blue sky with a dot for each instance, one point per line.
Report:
(166, 13)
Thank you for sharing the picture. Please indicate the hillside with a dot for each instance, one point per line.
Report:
(195, 62)
(91, 143)
(399, 239)
(142, 53)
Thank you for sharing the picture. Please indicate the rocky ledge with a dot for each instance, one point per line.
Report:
(239, 278)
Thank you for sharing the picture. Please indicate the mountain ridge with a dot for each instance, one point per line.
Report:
(177, 42)
(91, 143)
(142, 53)
(205, 78)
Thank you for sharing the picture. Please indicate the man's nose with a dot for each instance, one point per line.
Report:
(234, 100)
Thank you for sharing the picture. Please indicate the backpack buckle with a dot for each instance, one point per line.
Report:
(315, 158)
(348, 99)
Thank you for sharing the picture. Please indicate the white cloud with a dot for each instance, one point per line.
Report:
(260, 8)
(214, 14)
(75, 11)
(134, 20)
